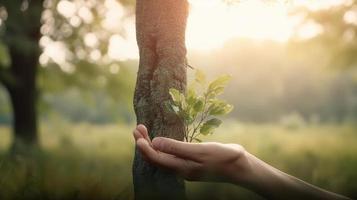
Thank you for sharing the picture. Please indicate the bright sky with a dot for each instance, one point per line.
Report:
(211, 23)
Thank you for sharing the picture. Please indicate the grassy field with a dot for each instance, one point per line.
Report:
(84, 161)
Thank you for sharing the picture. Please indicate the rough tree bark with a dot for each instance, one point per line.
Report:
(160, 28)
(22, 34)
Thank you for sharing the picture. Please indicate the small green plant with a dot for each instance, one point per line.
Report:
(199, 107)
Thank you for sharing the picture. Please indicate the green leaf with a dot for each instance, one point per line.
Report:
(198, 107)
(218, 83)
(214, 122)
(191, 104)
(182, 102)
(216, 103)
(209, 126)
(200, 77)
(191, 96)
(222, 111)
(188, 119)
(174, 108)
(171, 107)
(216, 91)
(175, 95)
(219, 107)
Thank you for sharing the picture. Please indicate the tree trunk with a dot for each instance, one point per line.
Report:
(23, 98)
(160, 27)
(22, 34)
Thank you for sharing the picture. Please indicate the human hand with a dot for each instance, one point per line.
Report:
(225, 163)
(195, 161)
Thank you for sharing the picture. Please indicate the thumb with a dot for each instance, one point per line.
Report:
(180, 149)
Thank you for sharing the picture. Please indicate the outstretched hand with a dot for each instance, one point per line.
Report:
(194, 161)
(226, 163)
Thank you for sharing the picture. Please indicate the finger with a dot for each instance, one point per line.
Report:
(160, 158)
(180, 149)
(144, 132)
(137, 135)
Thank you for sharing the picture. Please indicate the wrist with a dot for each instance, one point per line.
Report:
(243, 173)
(254, 174)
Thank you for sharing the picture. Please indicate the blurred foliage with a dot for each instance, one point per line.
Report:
(85, 161)
(5, 111)
(4, 56)
(271, 80)
(78, 29)
(69, 59)
(16, 30)
(337, 33)
(101, 99)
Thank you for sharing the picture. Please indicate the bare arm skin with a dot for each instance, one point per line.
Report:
(225, 163)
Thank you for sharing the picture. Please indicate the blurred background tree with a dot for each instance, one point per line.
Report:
(336, 31)
(20, 51)
(75, 38)
(335, 38)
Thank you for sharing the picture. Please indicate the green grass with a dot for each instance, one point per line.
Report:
(84, 161)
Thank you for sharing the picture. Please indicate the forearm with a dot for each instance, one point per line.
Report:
(275, 184)
(227, 161)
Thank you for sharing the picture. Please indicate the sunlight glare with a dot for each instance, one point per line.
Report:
(85, 14)
(66, 8)
(320, 4)
(91, 40)
(211, 24)
(115, 13)
(121, 48)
